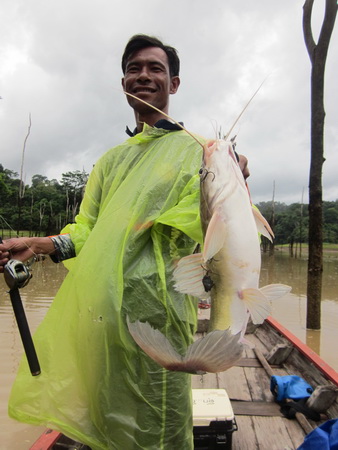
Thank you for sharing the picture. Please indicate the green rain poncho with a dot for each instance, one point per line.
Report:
(140, 213)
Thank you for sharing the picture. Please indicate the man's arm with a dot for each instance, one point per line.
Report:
(58, 247)
(24, 248)
(64, 248)
(243, 164)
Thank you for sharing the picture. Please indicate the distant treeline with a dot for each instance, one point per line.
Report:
(46, 206)
(42, 208)
(290, 222)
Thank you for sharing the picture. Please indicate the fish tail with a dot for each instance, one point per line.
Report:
(215, 352)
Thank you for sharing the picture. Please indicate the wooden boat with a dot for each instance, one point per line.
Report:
(258, 422)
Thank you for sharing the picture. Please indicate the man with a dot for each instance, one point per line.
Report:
(139, 215)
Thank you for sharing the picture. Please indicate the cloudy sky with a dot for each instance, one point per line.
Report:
(60, 62)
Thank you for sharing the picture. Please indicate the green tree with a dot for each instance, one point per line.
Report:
(73, 184)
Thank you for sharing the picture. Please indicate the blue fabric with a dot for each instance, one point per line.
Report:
(324, 437)
(289, 386)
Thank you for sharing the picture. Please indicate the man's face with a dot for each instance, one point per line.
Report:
(148, 77)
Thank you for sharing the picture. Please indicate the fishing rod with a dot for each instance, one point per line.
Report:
(17, 275)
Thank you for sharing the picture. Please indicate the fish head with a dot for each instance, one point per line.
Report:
(213, 148)
(220, 170)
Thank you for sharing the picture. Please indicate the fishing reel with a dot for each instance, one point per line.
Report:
(17, 274)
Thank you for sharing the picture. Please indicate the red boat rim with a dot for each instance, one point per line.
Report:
(325, 368)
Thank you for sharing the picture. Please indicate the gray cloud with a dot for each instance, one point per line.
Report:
(60, 61)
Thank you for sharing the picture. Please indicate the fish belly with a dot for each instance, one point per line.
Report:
(234, 268)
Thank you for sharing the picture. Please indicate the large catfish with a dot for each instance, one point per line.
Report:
(227, 270)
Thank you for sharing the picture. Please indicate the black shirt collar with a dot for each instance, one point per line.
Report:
(162, 123)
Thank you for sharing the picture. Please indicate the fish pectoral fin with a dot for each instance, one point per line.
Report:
(214, 236)
(216, 352)
(257, 304)
(262, 224)
(275, 291)
(188, 276)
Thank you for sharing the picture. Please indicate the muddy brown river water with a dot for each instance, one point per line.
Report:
(47, 277)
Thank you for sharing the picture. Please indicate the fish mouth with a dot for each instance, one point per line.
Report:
(209, 148)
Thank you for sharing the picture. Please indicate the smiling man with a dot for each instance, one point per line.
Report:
(140, 214)
(148, 75)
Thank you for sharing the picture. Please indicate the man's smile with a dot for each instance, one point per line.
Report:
(141, 89)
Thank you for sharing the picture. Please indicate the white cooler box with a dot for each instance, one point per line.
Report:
(213, 419)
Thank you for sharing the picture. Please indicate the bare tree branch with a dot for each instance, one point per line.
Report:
(331, 7)
(307, 30)
(22, 184)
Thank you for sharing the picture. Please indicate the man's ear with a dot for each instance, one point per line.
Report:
(122, 82)
(174, 84)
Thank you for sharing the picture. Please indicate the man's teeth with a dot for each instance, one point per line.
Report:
(143, 90)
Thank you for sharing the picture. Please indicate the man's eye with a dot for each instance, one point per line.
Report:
(132, 69)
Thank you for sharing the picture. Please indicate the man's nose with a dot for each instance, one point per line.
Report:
(144, 74)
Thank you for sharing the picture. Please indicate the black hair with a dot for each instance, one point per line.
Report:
(140, 41)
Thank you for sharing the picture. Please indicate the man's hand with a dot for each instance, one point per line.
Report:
(17, 248)
(24, 248)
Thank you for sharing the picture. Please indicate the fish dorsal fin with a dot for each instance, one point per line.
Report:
(262, 224)
(214, 236)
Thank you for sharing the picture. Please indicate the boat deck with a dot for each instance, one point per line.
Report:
(260, 423)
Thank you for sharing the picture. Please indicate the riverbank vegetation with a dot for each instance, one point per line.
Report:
(291, 222)
(48, 205)
(45, 206)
